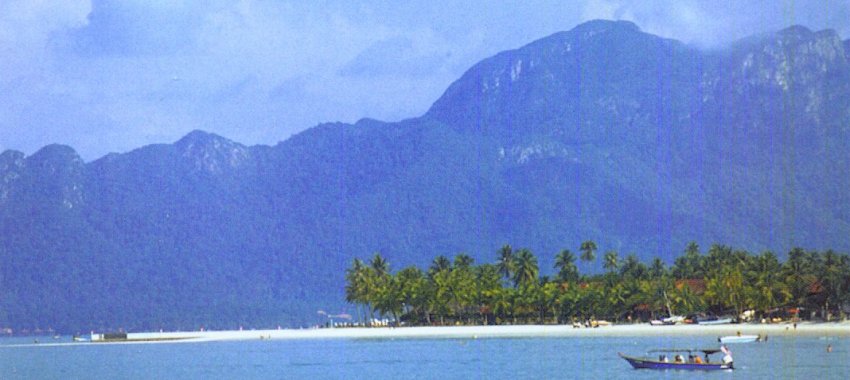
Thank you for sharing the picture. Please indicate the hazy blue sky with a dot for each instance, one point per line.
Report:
(113, 75)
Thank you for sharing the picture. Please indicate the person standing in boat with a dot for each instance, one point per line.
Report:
(727, 358)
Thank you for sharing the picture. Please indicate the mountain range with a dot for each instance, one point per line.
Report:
(605, 133)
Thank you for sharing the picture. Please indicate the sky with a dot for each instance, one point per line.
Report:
(114, 75)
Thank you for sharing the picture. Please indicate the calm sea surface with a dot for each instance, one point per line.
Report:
(532, 358)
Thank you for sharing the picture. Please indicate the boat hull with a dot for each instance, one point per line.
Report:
(641, 363)
(739, 339)
(721, 321)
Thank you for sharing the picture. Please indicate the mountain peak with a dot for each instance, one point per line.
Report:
(56, 153)
(10, 156)
(518, 92)
(58, 170)
(211, 153)
(198, 136)
(795, 31)
(796, 34)
(601, 26)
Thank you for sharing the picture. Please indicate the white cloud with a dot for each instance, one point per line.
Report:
(26, 27)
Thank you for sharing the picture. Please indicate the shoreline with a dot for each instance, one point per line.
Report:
(806, 329)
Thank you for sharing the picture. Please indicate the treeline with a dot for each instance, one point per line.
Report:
(723, 281)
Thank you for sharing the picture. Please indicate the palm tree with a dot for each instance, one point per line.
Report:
(379, 284)
(798, 274)
(488, 286)
(632, 268)
(657, 269)
(690, 265)
(615, 299)
(588, 251)
(550, 292)
(830, 278)
(504, 306)
(720, 256)
(684, 300)
(692, 249)
(380, 265)
(610, 261)
(442, 293)
(356, 287)
(462, 282)
(439, 264)
(726, 288)
(505, 262)
(463, 260)
(767, 289)
(390, 297)
(565, 262)
(414, 293)
(526, 268)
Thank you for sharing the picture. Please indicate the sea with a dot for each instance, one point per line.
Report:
(491, 358)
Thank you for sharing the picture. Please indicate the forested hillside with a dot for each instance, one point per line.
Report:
(603, 132)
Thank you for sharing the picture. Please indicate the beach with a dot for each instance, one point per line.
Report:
(805, 329)
(813, 350)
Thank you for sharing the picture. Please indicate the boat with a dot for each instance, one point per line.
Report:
(714, 321)
(702, 319)
(739, 338)
(673, 319)
(681, 359)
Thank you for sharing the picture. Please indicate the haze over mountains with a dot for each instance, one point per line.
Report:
(604, 132)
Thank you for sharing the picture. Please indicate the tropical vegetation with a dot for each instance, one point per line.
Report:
(511, 290)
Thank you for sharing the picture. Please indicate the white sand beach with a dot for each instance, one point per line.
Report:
(476, 332)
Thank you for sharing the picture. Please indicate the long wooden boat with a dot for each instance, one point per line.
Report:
(715, 321)
(680, 359)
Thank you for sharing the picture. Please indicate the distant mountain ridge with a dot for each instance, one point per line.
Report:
(604, 132)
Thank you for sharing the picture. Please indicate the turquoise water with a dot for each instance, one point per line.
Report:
(532, 358)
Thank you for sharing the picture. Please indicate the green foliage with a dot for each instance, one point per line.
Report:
(565, 262)
(733, 281)
(611, 261)
(588, 251)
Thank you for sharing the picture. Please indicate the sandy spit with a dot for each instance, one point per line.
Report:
(517, 331)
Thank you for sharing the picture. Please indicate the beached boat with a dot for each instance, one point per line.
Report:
(739, 338)
(717, 321)
(681, 359)
(702, 319)
(671, 320)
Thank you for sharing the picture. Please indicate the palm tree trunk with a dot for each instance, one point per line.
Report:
(359, 312)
